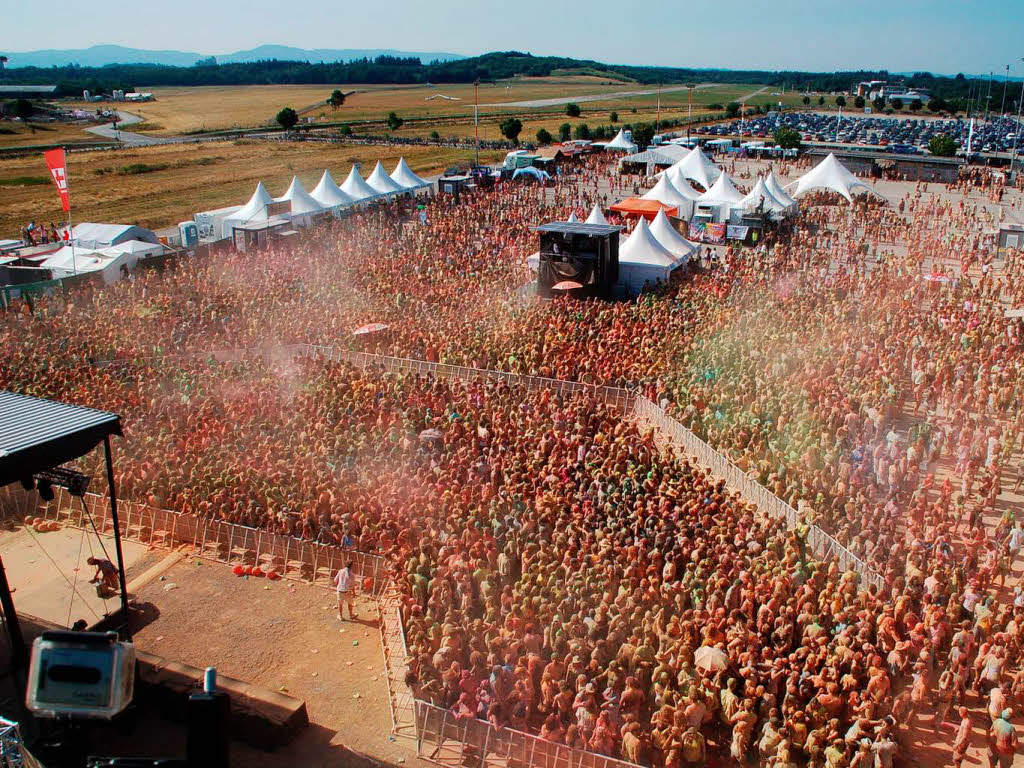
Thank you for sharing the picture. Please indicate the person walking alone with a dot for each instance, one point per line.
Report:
(345, 585)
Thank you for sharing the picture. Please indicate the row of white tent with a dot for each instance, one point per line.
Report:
(326, 198)
(649, 254)
(673, 188)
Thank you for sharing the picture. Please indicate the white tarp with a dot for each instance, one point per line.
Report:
(329, 194)
(666, 234)
(829, 174)
(405, 176)
(107, 261)
(380, 181)
(91, 235)
(358, 189)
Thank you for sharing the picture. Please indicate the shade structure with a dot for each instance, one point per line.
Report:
(829, 174)
(681, 183)
(572, 219)
(256, 206)
(666, 234)
(620, 142)
(722, 191)
(301, 201)
(363, 330)
(596, 216)
(776, 189)
(356, 188)
(761, 198)
(329, 194)
(384, 184)
(710, 659)
(531, 172)
(643, 261)
(405, 176)
(697, 167)
(634, 206)
(566, 285)
(665, 192)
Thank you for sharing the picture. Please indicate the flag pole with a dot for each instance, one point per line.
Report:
(71, 226)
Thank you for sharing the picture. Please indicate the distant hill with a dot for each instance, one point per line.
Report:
(106, 55)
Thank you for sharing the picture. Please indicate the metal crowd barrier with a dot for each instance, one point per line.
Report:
(821, 544)
(229, 543)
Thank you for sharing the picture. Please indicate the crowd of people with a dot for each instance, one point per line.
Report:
(563, 573)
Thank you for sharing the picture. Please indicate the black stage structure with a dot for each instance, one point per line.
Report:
(583, 255)
(36, 437)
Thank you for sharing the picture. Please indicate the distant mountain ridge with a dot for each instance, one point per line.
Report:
(105, 55)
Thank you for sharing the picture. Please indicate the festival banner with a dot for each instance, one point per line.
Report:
(737, 232)
(697, 231)
(715, 233)
(57, 164)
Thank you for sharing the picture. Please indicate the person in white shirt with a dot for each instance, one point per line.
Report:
(346, 586)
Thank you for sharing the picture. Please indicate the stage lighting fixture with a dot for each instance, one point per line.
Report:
(28, 483)
(74, 481)
(45, 490)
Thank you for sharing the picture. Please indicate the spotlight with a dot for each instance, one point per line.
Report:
(73, 480)
(45, 490)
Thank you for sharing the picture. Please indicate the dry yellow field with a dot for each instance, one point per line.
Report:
(18, 134)
(186, 178)
(181, 110)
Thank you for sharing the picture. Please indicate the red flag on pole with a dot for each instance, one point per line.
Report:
(57, 164)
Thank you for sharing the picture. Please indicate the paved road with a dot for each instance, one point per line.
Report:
(593, 97)
(108, 131)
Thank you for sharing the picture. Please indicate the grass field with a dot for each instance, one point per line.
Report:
(18, 134)
(160, 186)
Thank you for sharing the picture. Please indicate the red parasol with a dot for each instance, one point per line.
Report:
(370, 328)
(565, 285)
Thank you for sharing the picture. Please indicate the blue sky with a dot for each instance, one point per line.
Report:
(937, 35)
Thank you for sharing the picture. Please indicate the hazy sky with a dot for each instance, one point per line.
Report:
(946, 36)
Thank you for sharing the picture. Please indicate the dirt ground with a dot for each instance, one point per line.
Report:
(281, 636)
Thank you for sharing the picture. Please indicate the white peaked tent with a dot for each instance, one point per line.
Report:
(621, 142)
(380, 181)
(777, 191)
(681, 183)
(699, 168)
(722, 191)
(666, 234)
(643, 260)
(253, 211)
(665, 192)
(358, 189)
(329, 194)
(572, 219)
(761, 197)
(829, 174)
(301, 200)
(596, 216)
(404, 176)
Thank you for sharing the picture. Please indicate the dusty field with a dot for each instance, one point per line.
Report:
(179, 179)
(18, 134)
(281, 636)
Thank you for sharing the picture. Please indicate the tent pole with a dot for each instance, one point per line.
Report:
(117, 537)
(19, 653)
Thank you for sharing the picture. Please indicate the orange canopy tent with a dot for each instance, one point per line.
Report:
(635, 206)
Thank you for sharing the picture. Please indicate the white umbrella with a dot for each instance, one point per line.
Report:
(709, 658)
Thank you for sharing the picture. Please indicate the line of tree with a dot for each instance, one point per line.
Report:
(72, 79)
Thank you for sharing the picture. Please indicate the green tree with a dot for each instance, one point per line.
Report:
(916, 105)
(435, 136)
(859, 102)
(287, 118)
(643, 134)
(582, 131)
(544, 137)
(787, 138)
(614, 117)
(821, 101)
(572, 110)
(510, 128)
(840, 101)
(394, 121)
(633, 110)
(23, 109)
(732, 109)
(896, 104)
(878, 104)
(337, 98)
(942, 146)
(936, 105)
(806, 100)
(345, 129)
(564, 132)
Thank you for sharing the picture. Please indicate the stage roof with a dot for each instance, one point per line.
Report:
(578, 228)
(38, 434)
